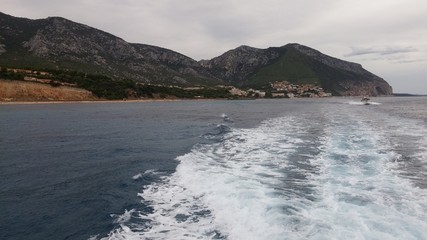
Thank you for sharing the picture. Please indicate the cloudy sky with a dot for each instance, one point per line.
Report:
(388, 37)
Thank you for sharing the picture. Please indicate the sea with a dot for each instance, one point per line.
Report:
(329, 168)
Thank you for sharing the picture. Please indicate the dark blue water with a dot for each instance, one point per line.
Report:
(69, 171)
(66, 167)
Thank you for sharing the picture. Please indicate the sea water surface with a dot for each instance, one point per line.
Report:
(265, 169)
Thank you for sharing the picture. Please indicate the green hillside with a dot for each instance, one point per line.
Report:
(291, 66)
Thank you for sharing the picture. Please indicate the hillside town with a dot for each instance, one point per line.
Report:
(282, 89)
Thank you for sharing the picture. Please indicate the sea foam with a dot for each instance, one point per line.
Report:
(336, 176)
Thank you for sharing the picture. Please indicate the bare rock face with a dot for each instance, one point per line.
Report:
(2, 48)
(238, 64)
(59, 37)
(365, 88)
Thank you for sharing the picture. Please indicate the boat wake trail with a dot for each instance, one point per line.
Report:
(338, 176)
(361, 193)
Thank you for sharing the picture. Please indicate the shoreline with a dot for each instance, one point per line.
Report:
(102, 101)
(32, 102)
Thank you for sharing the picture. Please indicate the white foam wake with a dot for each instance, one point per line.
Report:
(234, 181)
(361, 193)
(293, 177)
(362, 103)
(232, 189)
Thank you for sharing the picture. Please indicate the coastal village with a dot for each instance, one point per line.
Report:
(282, 89)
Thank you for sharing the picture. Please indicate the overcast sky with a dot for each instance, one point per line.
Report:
(388, 37)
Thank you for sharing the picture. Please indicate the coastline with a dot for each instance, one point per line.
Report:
(106, 101)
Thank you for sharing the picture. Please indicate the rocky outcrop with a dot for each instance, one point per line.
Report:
(235, 66)
(60, 40)
(364, 88)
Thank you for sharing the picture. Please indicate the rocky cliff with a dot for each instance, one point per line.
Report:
(57, 43)
(236, 66)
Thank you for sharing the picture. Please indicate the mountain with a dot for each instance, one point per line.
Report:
(62, 44)
(295, 63)
(58, 43)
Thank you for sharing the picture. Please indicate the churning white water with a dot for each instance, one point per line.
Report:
(340, 175)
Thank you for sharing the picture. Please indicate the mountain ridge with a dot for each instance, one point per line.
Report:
(59, 43)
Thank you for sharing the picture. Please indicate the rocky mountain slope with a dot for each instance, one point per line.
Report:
(294, 63)
(57, 43)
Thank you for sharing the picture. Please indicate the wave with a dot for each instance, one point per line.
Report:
(362, 103)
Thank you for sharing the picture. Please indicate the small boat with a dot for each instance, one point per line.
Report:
(365, 101)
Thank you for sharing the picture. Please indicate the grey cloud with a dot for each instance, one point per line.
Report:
(412, 61)
(384, 51)
(388, 51)
(360, 51)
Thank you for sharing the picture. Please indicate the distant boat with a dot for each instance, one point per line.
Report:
(365, 101)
